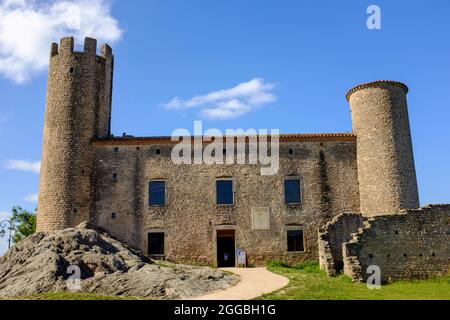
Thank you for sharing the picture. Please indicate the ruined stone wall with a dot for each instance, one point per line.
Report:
(413, 244)
(190, 218)
(331, 238)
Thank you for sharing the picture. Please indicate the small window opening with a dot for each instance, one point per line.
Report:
(157, 193)
(156, 243)
(71, 70)
(115, 177)
(295, 241)
(114, 215)
(158, 151)
(292, 191)
(224, 193)
(116, 150)
(291, 152)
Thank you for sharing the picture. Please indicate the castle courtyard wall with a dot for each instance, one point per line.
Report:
(190, 218)
(409, 245)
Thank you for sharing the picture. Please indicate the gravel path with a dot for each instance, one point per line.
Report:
(254, 283)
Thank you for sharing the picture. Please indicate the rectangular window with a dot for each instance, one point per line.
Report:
(292, 191)
(295, 241)
(156, 243)
(224, 192)
(157, 193)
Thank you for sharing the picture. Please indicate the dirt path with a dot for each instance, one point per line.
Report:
(254, 283)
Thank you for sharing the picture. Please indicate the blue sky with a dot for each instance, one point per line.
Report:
(303, 56)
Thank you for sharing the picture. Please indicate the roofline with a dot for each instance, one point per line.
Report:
(313, 137)
(375, 84)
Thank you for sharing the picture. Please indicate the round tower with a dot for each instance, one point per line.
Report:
(78, 109)
(386, 170)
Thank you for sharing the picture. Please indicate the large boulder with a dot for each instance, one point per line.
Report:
(45, 262)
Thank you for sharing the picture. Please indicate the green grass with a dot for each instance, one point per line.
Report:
(308, 282)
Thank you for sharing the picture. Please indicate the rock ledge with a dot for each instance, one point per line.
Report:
(40, 264)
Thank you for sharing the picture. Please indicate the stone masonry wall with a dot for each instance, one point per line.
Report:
(413, 244)
(191, 218)
(331, 238)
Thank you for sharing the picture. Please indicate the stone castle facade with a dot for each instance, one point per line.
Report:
(131, 187)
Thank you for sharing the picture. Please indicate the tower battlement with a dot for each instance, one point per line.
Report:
(67, 46)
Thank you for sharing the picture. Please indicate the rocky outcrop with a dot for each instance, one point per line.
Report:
(46, 262)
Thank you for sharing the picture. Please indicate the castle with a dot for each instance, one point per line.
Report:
(358, 188)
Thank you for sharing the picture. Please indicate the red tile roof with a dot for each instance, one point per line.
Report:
(313, 137)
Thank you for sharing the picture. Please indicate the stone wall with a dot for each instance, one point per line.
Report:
(331, 238)
(410, 245)
(191, 218)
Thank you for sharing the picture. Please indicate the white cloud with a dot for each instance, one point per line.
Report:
(31, 198)
(229, 103)
(27, 27)
(22, 165)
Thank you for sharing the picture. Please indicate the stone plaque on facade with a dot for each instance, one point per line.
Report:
(261, 218)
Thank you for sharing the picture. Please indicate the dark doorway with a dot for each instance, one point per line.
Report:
(226, 250)
(156, 244)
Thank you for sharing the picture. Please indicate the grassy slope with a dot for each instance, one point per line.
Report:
(308, 282)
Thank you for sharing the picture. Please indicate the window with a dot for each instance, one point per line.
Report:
(224, 192)
(157, 193)
(292, 191)
(116, 150)
(295, 241)
(114, 216)
(156, 243)
(115, 177)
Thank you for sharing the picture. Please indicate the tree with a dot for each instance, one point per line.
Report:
(24, 223)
